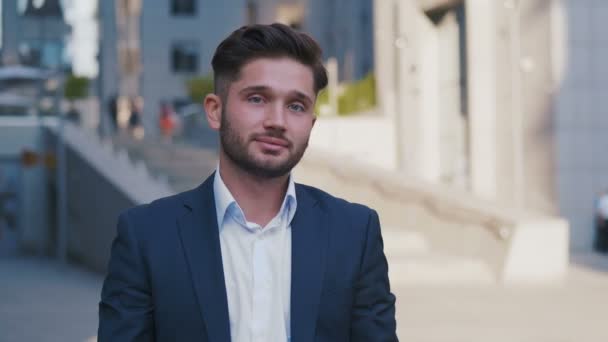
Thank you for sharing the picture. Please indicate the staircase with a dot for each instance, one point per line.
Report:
(413, 262)
(437, 235)
(183, 167)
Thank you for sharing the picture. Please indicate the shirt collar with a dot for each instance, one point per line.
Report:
(224, 200)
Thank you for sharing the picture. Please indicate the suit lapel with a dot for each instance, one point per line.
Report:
(200, 238)
(309, 245)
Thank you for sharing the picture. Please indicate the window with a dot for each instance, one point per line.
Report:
(183, 7)
(44, 54)
(184, 57)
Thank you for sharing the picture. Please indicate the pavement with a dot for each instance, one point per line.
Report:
(43, 300)
(573, 311)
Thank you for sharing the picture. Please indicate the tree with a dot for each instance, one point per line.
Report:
(75, 88)
(199, 87)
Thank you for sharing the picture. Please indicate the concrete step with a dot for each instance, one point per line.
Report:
(402, 242)
(439, 270)
(176, 155)
(199, 175)
(184, 185)
(412, 261)
(154, 149)
(184, 167)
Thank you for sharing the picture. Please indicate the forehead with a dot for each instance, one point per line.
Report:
(279, 74)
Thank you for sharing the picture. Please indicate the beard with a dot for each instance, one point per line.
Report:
(236, 149)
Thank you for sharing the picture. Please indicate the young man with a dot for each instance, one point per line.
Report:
(249, 255)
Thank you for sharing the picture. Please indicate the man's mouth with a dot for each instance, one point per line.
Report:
(272, 143)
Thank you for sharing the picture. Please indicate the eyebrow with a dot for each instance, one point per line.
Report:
(261, 88)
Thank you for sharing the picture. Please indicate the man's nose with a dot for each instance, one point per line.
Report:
(275, 117)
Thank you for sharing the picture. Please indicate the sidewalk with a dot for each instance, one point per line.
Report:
(41, 300)
(575, 311)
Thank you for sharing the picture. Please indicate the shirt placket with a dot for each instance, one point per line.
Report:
(262, 262)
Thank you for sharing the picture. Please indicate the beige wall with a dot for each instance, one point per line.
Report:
(525, 137)
(509, 83)
(537, 111)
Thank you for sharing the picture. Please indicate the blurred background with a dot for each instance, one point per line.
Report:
(476, 128)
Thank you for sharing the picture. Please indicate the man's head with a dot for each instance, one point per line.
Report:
(267, 78)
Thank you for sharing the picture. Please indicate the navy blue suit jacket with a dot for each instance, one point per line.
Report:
(165, 279)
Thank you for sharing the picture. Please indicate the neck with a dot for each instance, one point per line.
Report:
(259, 198)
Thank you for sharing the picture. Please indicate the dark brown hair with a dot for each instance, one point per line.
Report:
(265, 41)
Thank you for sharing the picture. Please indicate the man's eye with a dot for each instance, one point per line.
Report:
(296, 107)
(255, 99)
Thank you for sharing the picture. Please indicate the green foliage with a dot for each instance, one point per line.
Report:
(322, 99)
(199, 87)
(356, 97)
(76, 87)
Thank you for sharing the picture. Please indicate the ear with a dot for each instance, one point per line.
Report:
(314, 119)
(213, 111)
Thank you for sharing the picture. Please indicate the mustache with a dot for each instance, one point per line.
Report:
(272, 134)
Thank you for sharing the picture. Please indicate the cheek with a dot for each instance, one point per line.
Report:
(247, 117)
(302, 130)
(241, 120)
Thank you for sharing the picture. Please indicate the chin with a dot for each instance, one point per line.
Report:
(269, 157)
(272, 165)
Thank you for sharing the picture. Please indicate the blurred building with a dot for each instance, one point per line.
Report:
(34, 33)
(153, 50)
(505, 99)
(343, 28)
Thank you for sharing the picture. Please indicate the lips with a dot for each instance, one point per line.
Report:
(277, 142)
(271, 145)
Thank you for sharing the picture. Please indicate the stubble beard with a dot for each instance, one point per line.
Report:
(236, 149)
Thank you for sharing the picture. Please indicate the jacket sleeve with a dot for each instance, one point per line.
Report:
(126, 307)
(373, 318)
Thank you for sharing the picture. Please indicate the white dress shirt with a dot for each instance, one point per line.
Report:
(257, 267)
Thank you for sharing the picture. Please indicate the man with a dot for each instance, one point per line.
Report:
(250, 255)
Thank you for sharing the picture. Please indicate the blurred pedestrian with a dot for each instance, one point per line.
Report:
(113, 112)
(8, 204)
(601, 222)
(136, 128)
(167, 121)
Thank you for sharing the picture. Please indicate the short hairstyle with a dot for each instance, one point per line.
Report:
(265, 41)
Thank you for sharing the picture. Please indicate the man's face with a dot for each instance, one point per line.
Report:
(268, 115)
